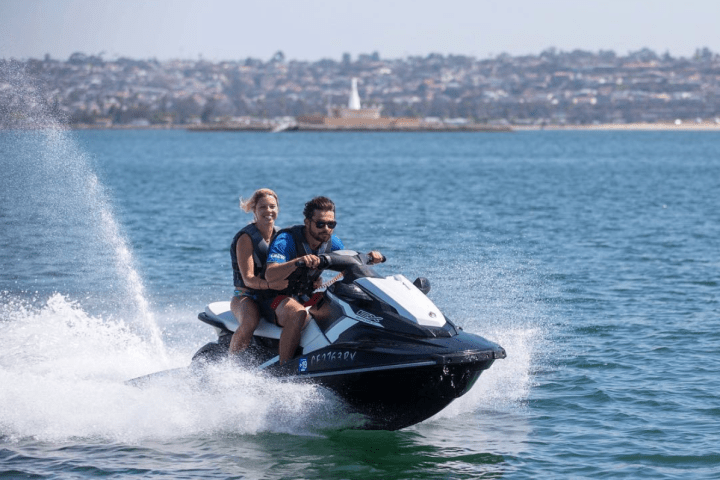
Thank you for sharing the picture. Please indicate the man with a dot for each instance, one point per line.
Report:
(301, 242)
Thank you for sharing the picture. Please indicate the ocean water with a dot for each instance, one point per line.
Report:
(591, 257)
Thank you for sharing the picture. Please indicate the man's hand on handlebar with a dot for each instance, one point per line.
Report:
(309, 261)
(325, 260)
(375, 257)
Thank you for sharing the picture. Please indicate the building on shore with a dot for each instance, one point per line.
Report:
(354, 116)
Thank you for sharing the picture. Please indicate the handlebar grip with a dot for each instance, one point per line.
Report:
(324, 263)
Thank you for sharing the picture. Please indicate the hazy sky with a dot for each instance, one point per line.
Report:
(310, 30)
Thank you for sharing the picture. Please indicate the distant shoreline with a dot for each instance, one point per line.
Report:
(309, 127)
(479, 128)
(667, 126)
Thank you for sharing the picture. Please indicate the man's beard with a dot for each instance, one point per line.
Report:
(320, 237)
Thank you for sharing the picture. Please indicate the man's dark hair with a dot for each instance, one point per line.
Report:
(318, 203)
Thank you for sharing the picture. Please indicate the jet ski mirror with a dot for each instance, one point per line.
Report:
(423, 284)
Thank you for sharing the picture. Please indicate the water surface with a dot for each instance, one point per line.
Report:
(591, 257)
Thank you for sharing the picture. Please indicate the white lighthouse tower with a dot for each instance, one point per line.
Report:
(354, 102)
(354, 113)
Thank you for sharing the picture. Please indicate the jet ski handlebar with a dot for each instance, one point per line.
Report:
(339, 262)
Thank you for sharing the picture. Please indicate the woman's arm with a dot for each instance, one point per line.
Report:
(244, 251)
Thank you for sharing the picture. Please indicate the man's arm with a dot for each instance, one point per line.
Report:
(280, 271)
(278, 266)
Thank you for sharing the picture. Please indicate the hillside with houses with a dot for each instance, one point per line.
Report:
(551, 88)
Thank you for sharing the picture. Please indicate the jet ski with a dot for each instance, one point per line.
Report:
(378, 342)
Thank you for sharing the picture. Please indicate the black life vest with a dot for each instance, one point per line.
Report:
(260, 252)
(301, 281)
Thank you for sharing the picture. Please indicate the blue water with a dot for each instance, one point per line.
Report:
(591, 257)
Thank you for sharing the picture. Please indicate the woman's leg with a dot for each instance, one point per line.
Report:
(247, 314)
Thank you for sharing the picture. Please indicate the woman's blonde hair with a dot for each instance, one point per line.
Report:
(249, 204)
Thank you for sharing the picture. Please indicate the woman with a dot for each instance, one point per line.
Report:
(249, 252)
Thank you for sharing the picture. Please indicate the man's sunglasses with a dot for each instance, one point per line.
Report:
(330, 225)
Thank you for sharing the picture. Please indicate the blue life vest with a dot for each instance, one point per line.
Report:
(301, 281)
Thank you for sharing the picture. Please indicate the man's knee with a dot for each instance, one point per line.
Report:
(299, 318)
(290, 312)
(295, 321)
(287, 307)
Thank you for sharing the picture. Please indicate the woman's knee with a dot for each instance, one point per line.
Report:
(250, 308)
(235, 304)
(245, 310)
(250, 322)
